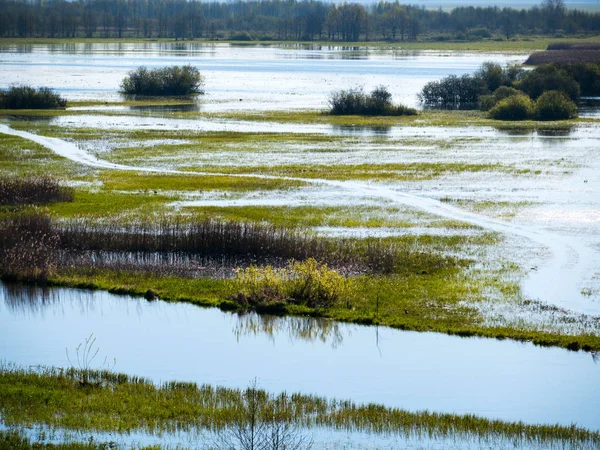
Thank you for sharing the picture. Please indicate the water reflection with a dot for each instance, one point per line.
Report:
(23, 298)
(297, 328)
(361, 130)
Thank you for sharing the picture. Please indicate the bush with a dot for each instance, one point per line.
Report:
(487, 102)
(377, 103)
(308, 283)
(516, 107)
(27, 97)
(549, 77)
(555, 105)
(185, 80)
(453, 91)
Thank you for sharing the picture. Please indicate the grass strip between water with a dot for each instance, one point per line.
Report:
(95, 401)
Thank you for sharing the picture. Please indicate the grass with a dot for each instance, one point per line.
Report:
(116, 402)
(427, 118)
(418, 171)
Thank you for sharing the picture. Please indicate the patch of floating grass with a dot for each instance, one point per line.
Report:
(116, 402)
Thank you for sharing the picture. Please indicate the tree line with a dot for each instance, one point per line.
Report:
(283, 20)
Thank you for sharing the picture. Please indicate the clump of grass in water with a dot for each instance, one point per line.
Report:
(118, 402)
(38, 190)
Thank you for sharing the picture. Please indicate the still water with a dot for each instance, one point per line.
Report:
(244, 77)
(414, 371)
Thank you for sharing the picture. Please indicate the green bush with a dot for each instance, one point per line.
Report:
(27, 97)
(516, 107)
(307, 283)
(555, 105)
(487, 102)
(549, 77)
(377, 103)
(175, 80)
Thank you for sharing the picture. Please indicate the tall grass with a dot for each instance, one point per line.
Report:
(28, 247)
(35, 247)
(242, 243)
(37, 190)
(116, 402)
(27, 97)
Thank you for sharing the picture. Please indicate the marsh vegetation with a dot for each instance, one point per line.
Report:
(286, 212)
(28, 97)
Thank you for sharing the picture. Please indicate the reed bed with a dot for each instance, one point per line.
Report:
(199, 248)
(574, 56)
(117, 402)
(28, 247)
(40, 190)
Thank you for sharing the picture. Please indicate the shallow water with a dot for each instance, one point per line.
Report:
(414, 371)
(238, 77)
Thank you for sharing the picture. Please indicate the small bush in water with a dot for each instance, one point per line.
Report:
(377, 103)
(308, 283)
(516, 107)
(184, 80)
(27, 97)
(554, 105)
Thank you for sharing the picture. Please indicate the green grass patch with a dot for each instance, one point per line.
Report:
(120, 403)
(418, 171)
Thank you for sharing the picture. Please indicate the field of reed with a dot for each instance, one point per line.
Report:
(40, 190)
(172, 246)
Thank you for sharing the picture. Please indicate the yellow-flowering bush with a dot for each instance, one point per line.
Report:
(306, 282)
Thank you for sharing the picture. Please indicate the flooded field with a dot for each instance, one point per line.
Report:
(513, 213)
(274, 77)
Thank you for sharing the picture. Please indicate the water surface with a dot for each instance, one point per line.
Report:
(496, 379)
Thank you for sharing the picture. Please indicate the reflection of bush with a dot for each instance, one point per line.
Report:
(175, 80)
(554, 105)
(27, 97)
(308, 283)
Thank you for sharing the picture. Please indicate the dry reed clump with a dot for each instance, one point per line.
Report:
(38, 190)
(238, 243)
(28, 247)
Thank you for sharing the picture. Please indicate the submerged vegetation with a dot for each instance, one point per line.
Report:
(166, 81)
(117, 402)
(27, 97)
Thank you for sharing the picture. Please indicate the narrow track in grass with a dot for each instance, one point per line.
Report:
(555, 283)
